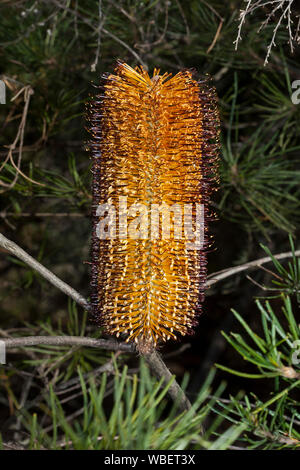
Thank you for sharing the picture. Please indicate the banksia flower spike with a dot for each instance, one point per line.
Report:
(154, 147)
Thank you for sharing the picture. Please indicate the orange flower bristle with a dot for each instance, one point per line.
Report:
(155, 142)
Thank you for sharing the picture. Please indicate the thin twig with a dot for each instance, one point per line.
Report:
(96, 29)
(15, 250)
(210, 48)
(27, 91)
(4, 214)
(218, 276)
(101, 23)
(12, 446)
(110, 345)
(274, 5)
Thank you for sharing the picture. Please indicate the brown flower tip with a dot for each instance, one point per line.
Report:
(154, 147)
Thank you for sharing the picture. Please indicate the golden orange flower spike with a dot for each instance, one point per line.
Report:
(154, 147)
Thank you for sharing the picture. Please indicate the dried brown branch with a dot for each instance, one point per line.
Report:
(27, 92)
(215, 37)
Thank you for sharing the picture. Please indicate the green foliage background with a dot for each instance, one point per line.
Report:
(56, 49)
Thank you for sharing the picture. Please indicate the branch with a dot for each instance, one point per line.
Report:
(15, 250)
(218, 276)
(160, 369)
(111, 345)
(27, 91)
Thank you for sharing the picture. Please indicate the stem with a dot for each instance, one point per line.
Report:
(15, 250)
(218, 276)
(11, 343)
(160, 369)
